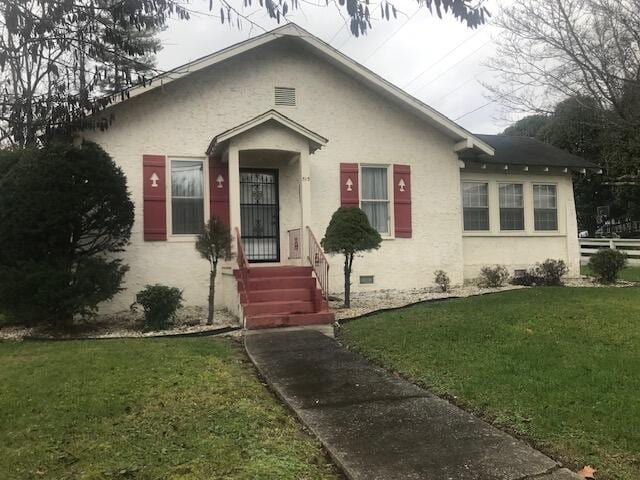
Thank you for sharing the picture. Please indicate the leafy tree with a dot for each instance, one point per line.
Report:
(576, 125)
(348, 233)
(579, 51)
(528, 126)
(58, 58)
(214, 244)
(64, 212)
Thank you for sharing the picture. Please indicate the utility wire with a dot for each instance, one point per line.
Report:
(456, 89)
(392, 35)
(337, 33)
(445, 56)
(452, 67)
(490, 102)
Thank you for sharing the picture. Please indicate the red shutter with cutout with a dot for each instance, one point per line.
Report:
(402, 200)
(349, 196)
(155, 197)
(219, 190)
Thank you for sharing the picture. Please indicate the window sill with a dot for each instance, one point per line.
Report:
(186, 238)
(514, 234)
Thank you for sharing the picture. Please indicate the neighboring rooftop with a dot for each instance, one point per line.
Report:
(526, 151)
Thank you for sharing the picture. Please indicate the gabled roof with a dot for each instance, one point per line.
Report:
(330, 54)
(315, 141)
(527, 151)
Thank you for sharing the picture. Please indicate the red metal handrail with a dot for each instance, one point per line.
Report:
(295, 247)
(243, 264)
(319, 263)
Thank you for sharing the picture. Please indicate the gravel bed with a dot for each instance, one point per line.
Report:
(367, 302)
(585, 281)
(128, 324)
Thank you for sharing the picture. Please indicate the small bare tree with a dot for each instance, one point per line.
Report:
(550, 50)
(214, 244)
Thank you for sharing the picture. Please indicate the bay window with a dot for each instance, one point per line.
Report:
(475, 206)
(511, 206)
(545, 207)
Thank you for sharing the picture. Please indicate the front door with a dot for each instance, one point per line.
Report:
(259, 214)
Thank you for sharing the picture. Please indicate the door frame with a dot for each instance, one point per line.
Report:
(276, 175)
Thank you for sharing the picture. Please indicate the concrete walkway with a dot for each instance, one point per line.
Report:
(377, 426)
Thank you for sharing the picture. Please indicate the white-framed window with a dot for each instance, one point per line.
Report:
(475, 206)
(187, 197)
(545, 207)
(374, 199)
(511, 198)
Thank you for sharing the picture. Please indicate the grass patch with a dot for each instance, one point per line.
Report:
(630, 274)
(141, 409)
(559, 366)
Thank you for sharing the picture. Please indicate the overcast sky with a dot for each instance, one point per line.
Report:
(440, 61)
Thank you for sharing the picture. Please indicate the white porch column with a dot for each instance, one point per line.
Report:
(234, 188)
(305, 202)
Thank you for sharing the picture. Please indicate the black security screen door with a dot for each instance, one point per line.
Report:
(259, 212)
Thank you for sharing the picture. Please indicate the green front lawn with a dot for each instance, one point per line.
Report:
(186, 409)
(559, 366)
(630, 274)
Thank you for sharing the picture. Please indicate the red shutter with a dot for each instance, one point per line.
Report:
(349, 196)
(402, 200)
(219, 190)
(155, 197)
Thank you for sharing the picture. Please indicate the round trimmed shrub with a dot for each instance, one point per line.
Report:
(159, 304)
(606, 264)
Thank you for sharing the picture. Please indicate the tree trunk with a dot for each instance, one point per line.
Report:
(348, 261)
(212, 293)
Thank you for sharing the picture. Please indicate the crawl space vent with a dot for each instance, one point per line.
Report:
(285, 96)
(366, 279)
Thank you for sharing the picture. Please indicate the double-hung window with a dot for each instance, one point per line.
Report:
(475, 205)
(545, 207)
(375, 197)
(187, 197)
(511, 206)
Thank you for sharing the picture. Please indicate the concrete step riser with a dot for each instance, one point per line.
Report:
(293, 295)
(281, 283)
(285, 308)
(272, 321)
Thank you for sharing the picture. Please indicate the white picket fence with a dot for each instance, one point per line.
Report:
(589, 246)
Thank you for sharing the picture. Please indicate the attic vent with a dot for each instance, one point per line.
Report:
(285, 96)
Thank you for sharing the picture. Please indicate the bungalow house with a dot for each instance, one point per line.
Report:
(273, 134)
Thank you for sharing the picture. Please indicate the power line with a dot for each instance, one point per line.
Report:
(452, 66)
(392, 35)
(490, 102)
(456, 89)
(446, 55)
(336, 34)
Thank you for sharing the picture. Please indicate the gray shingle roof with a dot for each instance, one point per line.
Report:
(526, 151)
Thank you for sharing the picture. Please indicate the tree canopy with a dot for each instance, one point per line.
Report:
(348, 233)
(65, 212)
(63, 60)
(575, 126)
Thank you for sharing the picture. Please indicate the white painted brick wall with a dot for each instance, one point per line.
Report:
(181, 118)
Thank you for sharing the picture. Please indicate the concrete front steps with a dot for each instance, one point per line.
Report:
(284, 296)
